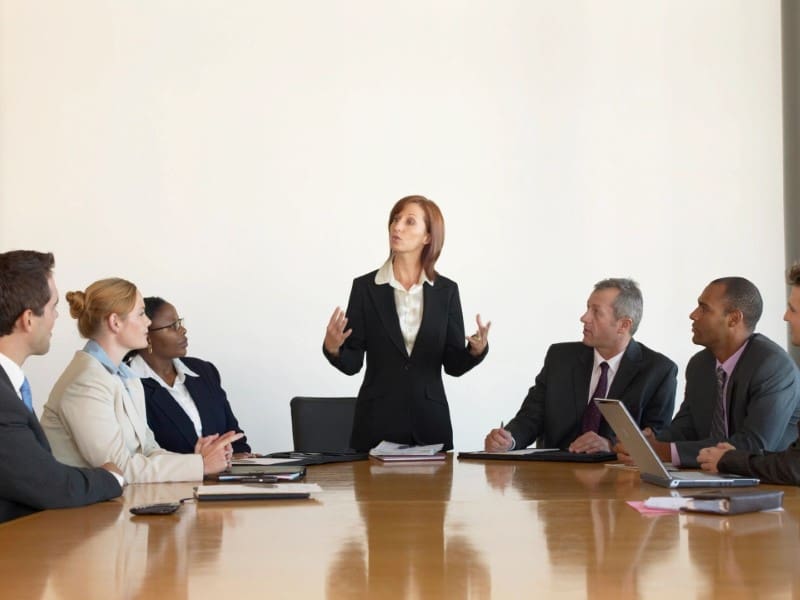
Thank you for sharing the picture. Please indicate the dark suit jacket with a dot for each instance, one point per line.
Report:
(172, 427)
(552, 411)
(763, 402)
(782, 468)
(402, 397)
(30, 478)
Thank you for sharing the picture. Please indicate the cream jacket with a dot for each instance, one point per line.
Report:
(90, 419)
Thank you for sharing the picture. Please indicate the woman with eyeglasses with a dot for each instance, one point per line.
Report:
(183, 395)
(96, 410)
(407, 319)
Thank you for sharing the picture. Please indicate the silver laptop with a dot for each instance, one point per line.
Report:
(650, 466)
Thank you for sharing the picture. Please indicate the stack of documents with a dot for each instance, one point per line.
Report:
(391, 452)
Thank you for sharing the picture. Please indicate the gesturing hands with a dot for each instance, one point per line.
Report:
(479, 340)
(216, 451)
(335, 334)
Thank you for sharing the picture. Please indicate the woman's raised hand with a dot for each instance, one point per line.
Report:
(479, 339)
(335, 334)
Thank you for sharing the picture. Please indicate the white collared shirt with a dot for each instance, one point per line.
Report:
(15, 373)
(407, 302)
(177, 391)
(613, 367)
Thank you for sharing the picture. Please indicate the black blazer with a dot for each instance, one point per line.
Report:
(552, 411)
(30, 478)
(402, 397)
(172, 427)
(763, 402)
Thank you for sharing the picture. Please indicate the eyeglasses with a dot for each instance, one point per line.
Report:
(176, 326)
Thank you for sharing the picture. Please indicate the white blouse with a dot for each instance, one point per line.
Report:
(177, 391)
(407, 302)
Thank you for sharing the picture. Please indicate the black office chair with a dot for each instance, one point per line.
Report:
(322, 424)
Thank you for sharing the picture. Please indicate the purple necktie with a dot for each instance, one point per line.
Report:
(591, 416)
(719, 425)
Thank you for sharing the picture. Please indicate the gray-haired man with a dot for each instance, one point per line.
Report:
(608, 362)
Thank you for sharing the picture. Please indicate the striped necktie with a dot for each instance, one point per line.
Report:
(719, 424)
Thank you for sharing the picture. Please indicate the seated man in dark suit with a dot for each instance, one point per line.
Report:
(742, 389)
(609, 363)
(770, 467)
(30, 478)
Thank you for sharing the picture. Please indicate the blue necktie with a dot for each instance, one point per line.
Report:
(591, 415)
(25, 391)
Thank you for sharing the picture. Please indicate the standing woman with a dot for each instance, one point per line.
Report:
(96, 412)
(407, 318)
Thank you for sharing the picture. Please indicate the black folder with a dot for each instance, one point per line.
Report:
(264, 472)
(544, 456)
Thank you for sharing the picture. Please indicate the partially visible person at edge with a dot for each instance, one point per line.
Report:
(770, 467)
(183, 395)
(407, 319)
(96, 412)
(31, 479)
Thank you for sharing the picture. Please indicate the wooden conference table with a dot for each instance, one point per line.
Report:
(462, 529)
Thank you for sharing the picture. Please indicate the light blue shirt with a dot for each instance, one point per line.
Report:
(121, 370)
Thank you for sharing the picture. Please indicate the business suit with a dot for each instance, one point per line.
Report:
(402, 398)
(763, 399)
(781, 468)
(172, 427)
(552, 411)
(90, 419)
(30, 478)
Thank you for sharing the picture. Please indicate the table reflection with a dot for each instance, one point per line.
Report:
(727, 551)
(409, 551)
(123, 555)
(592, 530)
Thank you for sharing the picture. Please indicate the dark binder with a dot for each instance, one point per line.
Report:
(734, 502)
(548, 456)
(265, 472)
(320, 458)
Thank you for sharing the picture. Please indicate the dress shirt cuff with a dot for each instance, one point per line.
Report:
(676, 458)
(513, 444)
(120, 479)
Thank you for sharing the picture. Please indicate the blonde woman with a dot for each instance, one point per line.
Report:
(96, 410)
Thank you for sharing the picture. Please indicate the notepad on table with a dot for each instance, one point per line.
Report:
(392, 452)
(273, 491)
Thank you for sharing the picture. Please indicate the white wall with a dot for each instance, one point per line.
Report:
(240, 159)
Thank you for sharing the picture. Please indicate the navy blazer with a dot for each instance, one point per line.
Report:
(552, 411)
(172, 427)
(31, 478)
(402, 397)
(763, 399)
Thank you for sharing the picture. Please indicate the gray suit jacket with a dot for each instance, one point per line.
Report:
(30, 478)
(763, 402)
(552, 411)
